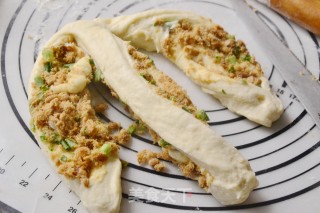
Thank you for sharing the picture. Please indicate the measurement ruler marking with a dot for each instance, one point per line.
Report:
(10, 159)
(56, 186)
(23, 164)
(79, 202)
(33, 172)
(47, 176)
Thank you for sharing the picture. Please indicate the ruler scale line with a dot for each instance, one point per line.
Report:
(10, 159)
(57, 186)
(33, 172)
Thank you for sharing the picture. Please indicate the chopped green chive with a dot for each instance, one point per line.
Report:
(84, 132)
(186, 109)
(32, 126)
(132, 129)
(68, 65)
(106, 149)
(163, 143)
(143, 75)
(153, 82)
(169, 25)
(141, 128)
(44, 88)
(97, 75)
(224, 92)
(47, 54)
(232, 70)
(202, 115)
(148, 78)
(68, 144)
(65, 145)
(232, 59)
(173, 98)
(231, 36)
(39, 81)
(236, 51)
(247, 58)
(217, 59)
(244, 81)
(63, 158)
(91, 62)
(40, 95)
(123, 103)
(43, 137)
(56, 138)
(48, 66)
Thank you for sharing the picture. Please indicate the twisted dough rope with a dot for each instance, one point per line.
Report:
(230, 178)
(191, 42)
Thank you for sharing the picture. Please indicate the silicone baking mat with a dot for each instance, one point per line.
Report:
(285, 157)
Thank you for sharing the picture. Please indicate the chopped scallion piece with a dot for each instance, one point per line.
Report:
(169, 25)
(84, 132)
(63, 158)
(43, 137)
(173, 98)
(97, 75)
(236, 51)
(153, 82)
(231, 36)
(232, 70)
(186, 109)
(68, 65)
(140, 127)
(68, 144)
(244, 81)
(132, 129)
(65, 145)
(40, 95)
(48, 66)
(143, 75)
(32, 126)
(224, 92)
(163, 143)
(123, 103)
(232, 59)
(91, 62)
(202, 115)
(47, 54)
(39, 81)
(56, 138)
(44, 88)
(217, 59)
(106, 149)
(247, 58)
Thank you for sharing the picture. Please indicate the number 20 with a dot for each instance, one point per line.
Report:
(72, 210)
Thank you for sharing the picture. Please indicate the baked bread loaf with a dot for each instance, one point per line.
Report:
(304, 12)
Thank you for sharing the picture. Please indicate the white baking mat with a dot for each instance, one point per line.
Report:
(285, 157)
